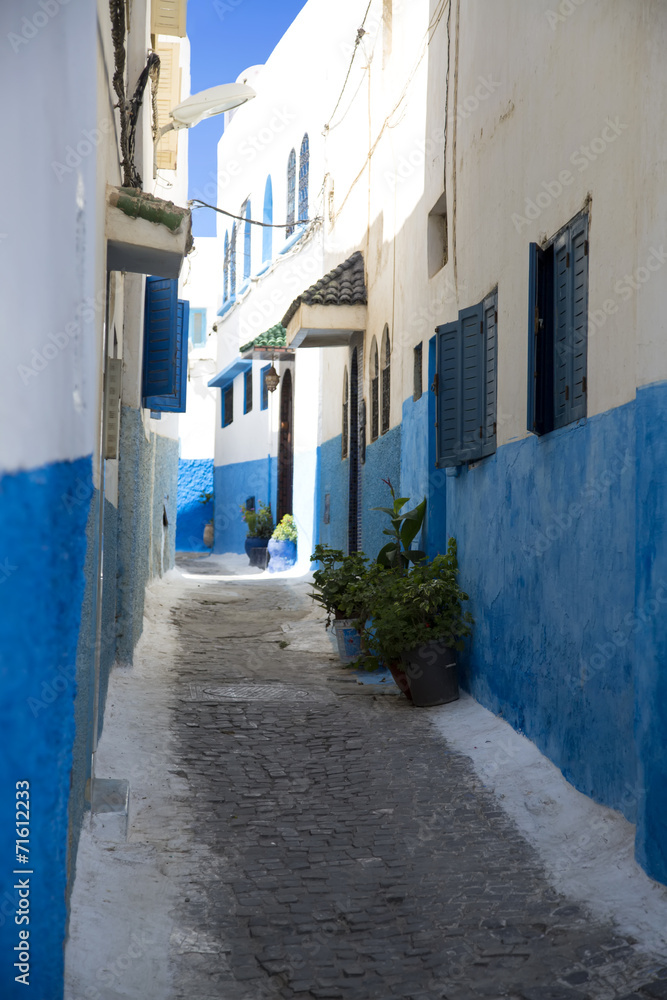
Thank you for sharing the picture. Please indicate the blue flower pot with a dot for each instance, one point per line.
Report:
(282, 555)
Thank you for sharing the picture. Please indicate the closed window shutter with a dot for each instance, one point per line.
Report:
(160, 336)
(447, 405)
(472, 379)
(168, 97)
(165, 347)
(168, 17)
(562, 330)
(489, 371)
(579, 321)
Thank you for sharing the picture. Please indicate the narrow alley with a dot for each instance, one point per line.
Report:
(295, 833)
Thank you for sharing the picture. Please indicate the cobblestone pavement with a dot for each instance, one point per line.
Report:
(353, 855)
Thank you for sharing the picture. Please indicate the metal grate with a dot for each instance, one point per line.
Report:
(386, 380)
(228, 414)
(304, 162)
(346, 415)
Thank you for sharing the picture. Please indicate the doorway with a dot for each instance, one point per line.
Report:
(353, 508)
(285, 447)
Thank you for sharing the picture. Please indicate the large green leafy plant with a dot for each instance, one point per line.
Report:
(413, 608)
(339, 582)
(405, 526)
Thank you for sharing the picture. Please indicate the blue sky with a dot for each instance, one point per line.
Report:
(226, 37)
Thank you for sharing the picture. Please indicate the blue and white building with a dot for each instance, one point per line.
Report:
(509, 362)
(88, 464)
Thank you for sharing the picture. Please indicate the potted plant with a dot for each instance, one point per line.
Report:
(260, 528)
(417, 625)
(282, 545)
(341, 589)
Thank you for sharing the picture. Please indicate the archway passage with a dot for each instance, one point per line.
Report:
(353, 534)
(285, 448)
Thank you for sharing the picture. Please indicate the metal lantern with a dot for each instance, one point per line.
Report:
(271, 379)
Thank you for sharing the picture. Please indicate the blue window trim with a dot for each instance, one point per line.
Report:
(264, 397)
(229, 373)
(291, 193)
(267, 217)
(191, 326)
(298, 232)
(225, 271)
(232, 264)
(304, 166)
(247, 240)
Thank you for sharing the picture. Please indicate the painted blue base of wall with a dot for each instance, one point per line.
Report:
(383, 461)
(147, 487)
(233, 485)
(195, 476)
(43, 520)
(651, 628)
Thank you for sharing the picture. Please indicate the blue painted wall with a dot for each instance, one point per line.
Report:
(545, 531)
(333, 479)
(383, 461)
(195, 476)
(233, 484)
(43, 546)
(147, 471)
(650, 630)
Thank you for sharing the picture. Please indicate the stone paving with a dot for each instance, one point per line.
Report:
(351, 853)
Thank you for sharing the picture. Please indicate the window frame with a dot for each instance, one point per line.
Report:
(304, 170)
(374, 373)
(345, 430)
(264, 396)
(228, 393)
(418, 371)
(247, 391)
(557, 331)
(291, 194)
(385, 368)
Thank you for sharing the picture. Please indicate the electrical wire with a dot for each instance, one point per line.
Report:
(198, 203)
(360, 35)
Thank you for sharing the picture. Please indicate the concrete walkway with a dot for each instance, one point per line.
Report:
(295, 834)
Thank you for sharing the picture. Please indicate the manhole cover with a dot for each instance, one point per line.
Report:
(256, 692)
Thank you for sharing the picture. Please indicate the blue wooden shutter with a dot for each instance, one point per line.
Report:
(534, 258)
(448, 366)
(160, 340)
(562, 330)
(472, 380)
(489, 374)
(579, 321)
(175, 401)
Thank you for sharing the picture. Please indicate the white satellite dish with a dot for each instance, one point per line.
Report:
(210, 102)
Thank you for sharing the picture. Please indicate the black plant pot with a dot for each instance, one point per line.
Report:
(431, 673)
(257, 552)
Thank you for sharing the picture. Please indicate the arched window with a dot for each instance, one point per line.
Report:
(232, 264)
(247, 238)
(346, 414)
(304, 161)
(291, 192)
(267, 216)
(385, 355)
(225, 271)
(375, 382)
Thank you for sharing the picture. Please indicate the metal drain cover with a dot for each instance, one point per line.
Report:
(256, 692)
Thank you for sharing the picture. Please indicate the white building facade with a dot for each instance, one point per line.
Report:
(506, 356)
